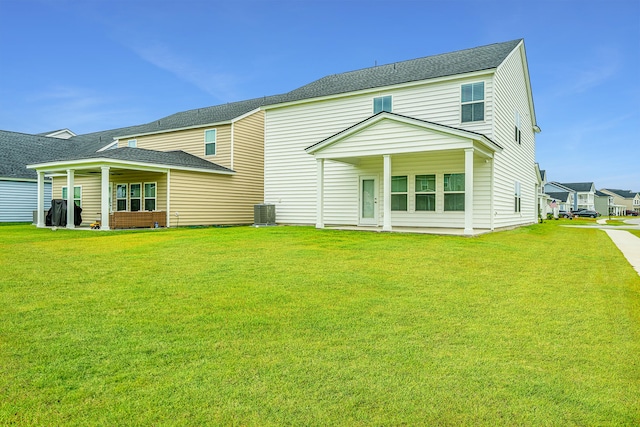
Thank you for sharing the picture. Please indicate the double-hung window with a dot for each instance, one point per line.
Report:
(518, 132)
(149, 196)
(454, 192)
(135, 197)
(425, 192)
(210, 142)
(472, 102)
(398, 193)
(382, 103)
(517, 197)
(77, 195)
(121, 197)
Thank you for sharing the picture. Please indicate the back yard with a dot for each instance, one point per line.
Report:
(296, 326)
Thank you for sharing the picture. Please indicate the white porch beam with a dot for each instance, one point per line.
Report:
(104, 198)
(320, 193)
(70, 202)
(40, 202)
(386, 189)
(468, 191)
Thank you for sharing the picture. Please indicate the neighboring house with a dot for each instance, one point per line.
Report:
(605, 204)
(584, 194)
(563, 200)
(60, 134)
(629, 199)
(198, 167)
(18, 189)
(543, 198)
(442, 141)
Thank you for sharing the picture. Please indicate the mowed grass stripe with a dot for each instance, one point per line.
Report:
(297, 326)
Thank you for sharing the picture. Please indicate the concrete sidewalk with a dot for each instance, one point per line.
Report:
(628, 244)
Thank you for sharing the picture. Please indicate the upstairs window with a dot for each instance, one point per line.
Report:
(398, 193)
(425, 192)
(454, 192)
(518, 132)
(210, 142)
(382, 103)
(472, 102)
(133, 143)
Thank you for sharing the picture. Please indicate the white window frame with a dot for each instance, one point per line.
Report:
(213, 143)
(139, 198)
(126, 197)
(399, 193)
(473, 101)
(382, 100)
(517, 197)
(447, 192)
(133, 143)
(154, 198)
(518, 128)
(417, 192)
(76, 200)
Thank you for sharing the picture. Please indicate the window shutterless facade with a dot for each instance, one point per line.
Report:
(399, 189)
(454, 192)
(121, 197)
(135, 197)
(77, 194)
(517, 198)
(150, 196)
(518, 132)
(382, 103)
(210, 142)
(425, 192)
(133, 143)
(472, 102)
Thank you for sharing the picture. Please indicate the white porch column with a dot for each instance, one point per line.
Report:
(104, 198)
(40, 201)
(70, 202)
(468, 191)
(320, 193)
(386, 190)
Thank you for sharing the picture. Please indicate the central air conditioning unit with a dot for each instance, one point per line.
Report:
(264, 214)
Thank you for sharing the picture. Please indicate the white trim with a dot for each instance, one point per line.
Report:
(168, 198)
(104, 197)
(215, 142)
(71, 199)
(109, 146)
(468, 191)
(144, 198)
(386, 185)
(231, 150)
(85, 164)
(40, 201)
(126, 198)
(319, 193)
(141, 207)
(376, 213)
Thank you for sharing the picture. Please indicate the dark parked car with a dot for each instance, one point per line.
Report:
(564, 214)
(586, 213)
(631, 213)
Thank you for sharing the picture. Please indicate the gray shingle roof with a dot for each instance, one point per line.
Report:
(430, 67)
(622, 193)
(558, 195)
(447, 64)
(171, 158)
(19, 149)
(578, 186)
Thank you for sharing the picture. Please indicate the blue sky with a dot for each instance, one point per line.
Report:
(91, 65)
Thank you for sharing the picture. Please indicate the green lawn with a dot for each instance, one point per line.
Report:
(296, 326)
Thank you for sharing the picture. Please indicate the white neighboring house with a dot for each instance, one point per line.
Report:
(442, 141)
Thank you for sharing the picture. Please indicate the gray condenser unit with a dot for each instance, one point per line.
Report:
(264, 214)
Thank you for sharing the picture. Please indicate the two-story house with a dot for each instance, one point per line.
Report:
(630, 200)
(442, 141)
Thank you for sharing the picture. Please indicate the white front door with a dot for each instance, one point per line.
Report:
(368, 200)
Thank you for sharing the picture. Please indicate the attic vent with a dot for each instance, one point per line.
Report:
(264, 215)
